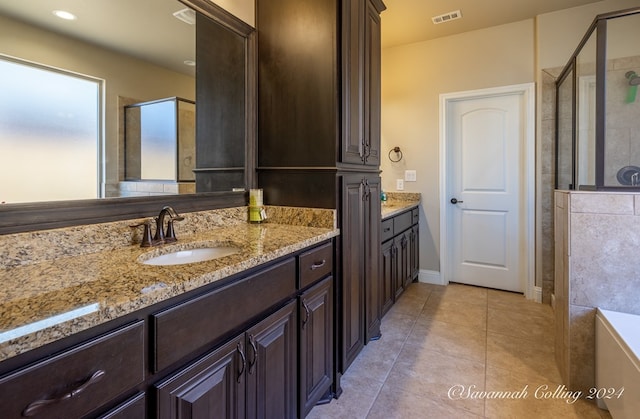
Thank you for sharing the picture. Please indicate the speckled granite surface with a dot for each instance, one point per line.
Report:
(398, 202)
(59, 282)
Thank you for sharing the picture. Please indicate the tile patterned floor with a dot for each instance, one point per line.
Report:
(436, 340)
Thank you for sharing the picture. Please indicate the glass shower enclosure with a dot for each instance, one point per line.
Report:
(598, 108)
(160, 140)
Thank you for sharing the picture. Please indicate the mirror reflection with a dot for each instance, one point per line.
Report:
(133, 51)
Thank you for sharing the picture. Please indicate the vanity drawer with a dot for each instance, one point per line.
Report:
(387, 230)
(401, 222)
(415, 216)
(198, 323)
(315, 264)
(79, 380)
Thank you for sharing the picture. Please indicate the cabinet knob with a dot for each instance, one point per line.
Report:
(455, 201)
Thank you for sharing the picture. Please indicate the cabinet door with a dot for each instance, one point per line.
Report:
(316, 344)
(388, 272)
(371, 76)
(414, 252)
(353, 141)
(352, 287)
(214, 386)
(272, 364)
(402, 260)
(371, 243)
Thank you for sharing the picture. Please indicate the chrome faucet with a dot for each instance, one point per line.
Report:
(161, 236)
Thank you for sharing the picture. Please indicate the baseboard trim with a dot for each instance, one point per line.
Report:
(537, 294)
(430, 277)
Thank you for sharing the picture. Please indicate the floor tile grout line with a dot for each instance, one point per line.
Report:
(397, 356)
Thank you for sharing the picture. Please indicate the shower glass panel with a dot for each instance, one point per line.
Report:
(598, 111)
(586, 112)
(160, 140)
(564, 144)
(622, 134)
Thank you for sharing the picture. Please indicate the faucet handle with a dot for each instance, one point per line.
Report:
(147, 241)
(159, 236)
(170, 235)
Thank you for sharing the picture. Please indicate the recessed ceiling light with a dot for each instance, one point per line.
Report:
(64, 15)
(190, 63)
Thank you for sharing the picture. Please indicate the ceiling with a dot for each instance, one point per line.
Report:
(408, 21)
(146, 28)
(142, 28)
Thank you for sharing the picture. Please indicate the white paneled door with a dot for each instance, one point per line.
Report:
(485, 187)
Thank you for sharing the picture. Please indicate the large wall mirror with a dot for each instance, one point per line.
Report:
(127, 53)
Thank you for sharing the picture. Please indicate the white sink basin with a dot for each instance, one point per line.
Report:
(182, 257)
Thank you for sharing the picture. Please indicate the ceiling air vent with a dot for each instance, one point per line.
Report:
(446, 17)
(186, 15)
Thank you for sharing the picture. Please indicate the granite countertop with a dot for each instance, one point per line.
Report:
(46, 301)
(398, 202)
(395, 208)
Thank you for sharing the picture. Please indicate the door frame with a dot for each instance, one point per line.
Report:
(527, 91)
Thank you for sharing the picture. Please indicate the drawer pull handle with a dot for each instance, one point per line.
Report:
(317, 265)
(388, 229)
(33, 408)
(252, 364)
(244, 361)
(307, 313)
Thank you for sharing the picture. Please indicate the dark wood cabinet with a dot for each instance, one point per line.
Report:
(252, 376)
(400, 254)
(316, 344)
(360, 264)
(134, 408)
(361, 82)
(213, 386)
(79, 380)
(229, 349)
(414, 253)
(388, 263)
(272, 364)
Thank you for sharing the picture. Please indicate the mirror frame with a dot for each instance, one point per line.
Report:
(24, 217)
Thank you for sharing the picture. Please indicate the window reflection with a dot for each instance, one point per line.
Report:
(49, 133)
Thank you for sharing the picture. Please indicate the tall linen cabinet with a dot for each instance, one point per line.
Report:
(318, 145)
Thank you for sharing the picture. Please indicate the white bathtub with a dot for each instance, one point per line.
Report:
(618, 363)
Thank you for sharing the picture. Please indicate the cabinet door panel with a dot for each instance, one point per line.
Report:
(371, 242)
(316, 344)
(414, 246)
(272, 365)
(214, 386)
(388, 272)
(352, 270)
(353, 141)
(372, 96)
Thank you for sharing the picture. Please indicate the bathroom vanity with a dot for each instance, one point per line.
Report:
(400, 249)
(238, 336)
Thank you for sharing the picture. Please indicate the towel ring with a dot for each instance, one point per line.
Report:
(398, 152)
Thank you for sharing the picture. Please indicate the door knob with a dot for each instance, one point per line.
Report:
(455, 201)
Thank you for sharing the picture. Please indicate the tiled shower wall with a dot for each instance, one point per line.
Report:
(622, 142)
(599, 268)
(546, 181)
